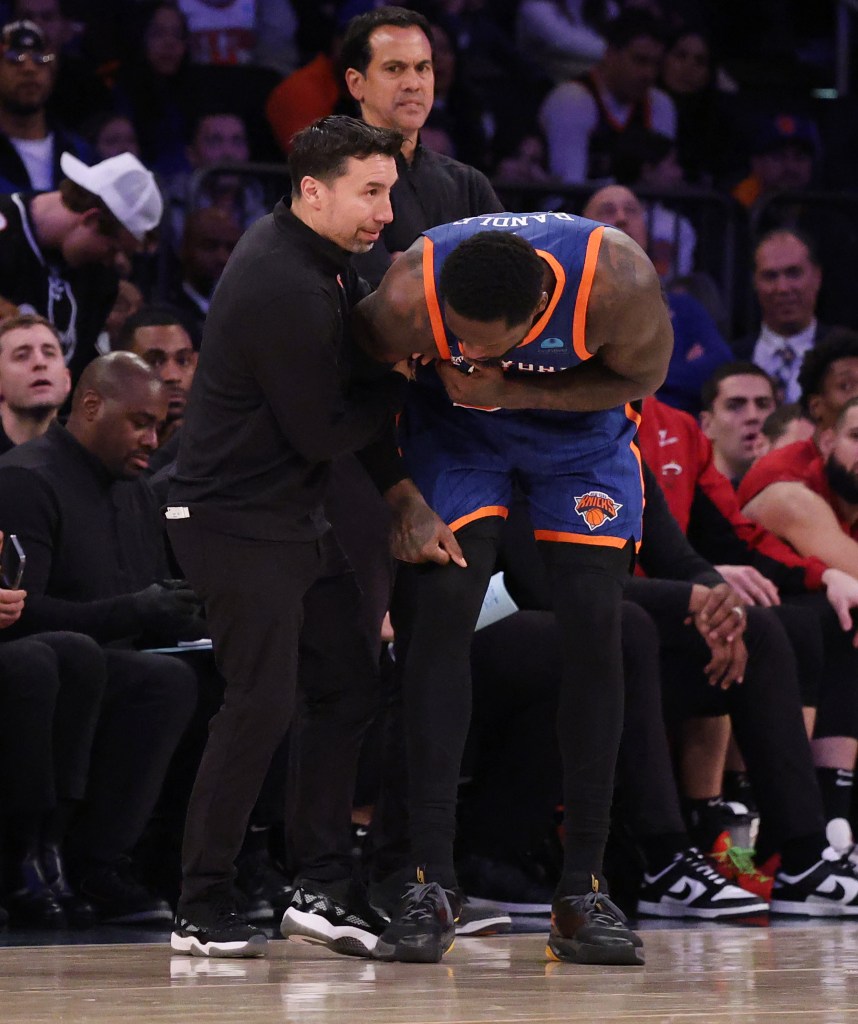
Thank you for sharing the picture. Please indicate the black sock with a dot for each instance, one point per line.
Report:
(659, 851)
(836, 787)
(705, 820)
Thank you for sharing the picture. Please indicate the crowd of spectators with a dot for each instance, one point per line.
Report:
(132, 139)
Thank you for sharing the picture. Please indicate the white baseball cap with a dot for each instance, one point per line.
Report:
(126, 187)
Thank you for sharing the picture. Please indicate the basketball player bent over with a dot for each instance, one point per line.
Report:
(536, 333)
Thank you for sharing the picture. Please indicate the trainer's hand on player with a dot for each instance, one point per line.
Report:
(484, 386)
(750, 585)
(418, 534)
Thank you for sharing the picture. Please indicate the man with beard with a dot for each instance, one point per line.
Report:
(34, 381)
(807, 492)
(30, 144)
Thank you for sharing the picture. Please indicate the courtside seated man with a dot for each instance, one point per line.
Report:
(536, 332)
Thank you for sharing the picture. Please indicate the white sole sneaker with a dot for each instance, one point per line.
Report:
(343, 939)
(255, 946)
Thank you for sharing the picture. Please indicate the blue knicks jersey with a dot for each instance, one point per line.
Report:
(569, 245)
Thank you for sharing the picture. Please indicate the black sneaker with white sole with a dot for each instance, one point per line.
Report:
(424, 927)
(591, 929)
(333, 914)
(216, 930)
(829, 888)
(691, 887)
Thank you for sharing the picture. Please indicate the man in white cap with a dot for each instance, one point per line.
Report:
(61, 252)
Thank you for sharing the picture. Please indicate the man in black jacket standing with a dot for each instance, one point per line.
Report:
(277, 395)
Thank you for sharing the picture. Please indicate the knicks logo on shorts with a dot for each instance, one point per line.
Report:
(596, 508)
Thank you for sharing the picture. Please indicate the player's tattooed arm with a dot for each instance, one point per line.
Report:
(393, 323)
(628, 335)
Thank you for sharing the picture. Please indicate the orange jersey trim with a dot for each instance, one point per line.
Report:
(579, 319)
(580, 538)
(559, 285)
(432, 303)
(481, 513)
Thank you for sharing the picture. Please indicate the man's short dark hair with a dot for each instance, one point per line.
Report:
(356, 50)
(797, 233)
(632, 25)
(322, 149)
(775, 424)
(736, 368)
(493, 275)
(839, 343)
(27, 320)
(156, 314)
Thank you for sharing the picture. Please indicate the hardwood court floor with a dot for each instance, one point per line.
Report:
(806, 974)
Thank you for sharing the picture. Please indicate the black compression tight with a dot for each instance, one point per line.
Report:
(435, 610)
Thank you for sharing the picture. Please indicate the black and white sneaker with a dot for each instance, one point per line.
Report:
(829, 888)
(216, 930)
(424, 927)
(333, 914)
(691, 887)
(479, 917)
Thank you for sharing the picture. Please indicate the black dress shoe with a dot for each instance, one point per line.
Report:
(31, 903)
(79, 912)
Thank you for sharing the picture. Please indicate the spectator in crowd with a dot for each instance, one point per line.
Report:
(230, 32)
(152, 85)
(78, 91)
(111, 134)
(34, 379)
(737, 399)
(785, 149)
(646, 159)
(59, 251)
(557, 36)
(698, 347)
(94, 550)
(315, 90)
(582, 120)
(210, 236)
(30, 143)
(707, 135)
(787, 424)
(161, 338)
(787, 279)
(454, 108)
(216, 138)
(128, 300)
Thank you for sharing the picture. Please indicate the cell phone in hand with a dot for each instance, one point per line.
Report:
(12, 562)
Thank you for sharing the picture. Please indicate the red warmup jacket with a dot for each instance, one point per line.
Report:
(801, 462)
(705, 505)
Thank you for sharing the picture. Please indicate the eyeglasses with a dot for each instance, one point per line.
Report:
(19, 56)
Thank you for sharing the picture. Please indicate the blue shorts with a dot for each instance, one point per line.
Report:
(581, 472)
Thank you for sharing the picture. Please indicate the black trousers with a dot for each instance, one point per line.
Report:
(51, 688)
(270, 607)
(435, 611)
(148, 702)
(765, 712)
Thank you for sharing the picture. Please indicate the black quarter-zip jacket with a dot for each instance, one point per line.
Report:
(280, 389)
